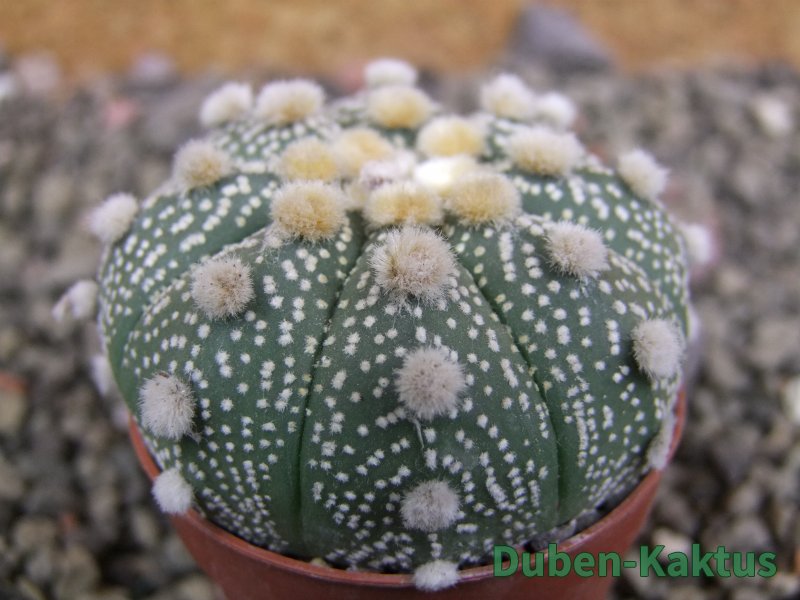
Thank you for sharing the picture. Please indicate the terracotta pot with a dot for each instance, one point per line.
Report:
(247, 572)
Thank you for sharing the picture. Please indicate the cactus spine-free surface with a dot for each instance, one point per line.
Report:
(391, 337)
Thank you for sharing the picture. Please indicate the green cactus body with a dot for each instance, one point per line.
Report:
(384, 414)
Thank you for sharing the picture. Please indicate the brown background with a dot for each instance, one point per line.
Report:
(317, 36)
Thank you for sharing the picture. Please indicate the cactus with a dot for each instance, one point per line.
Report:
(388, 336)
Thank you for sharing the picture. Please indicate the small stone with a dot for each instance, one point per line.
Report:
(77, 573)
(12, 486)
(12, 405)
(31, 533)
(672, 541)
(773, 346)
(773, 115)
(790, 397)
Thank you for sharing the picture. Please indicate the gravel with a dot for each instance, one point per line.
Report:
(76, 517)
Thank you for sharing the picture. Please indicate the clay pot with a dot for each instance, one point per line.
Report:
(247, 572)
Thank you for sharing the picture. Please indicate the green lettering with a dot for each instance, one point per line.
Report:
(535, 567)
(602, 564)
(554, 557)
(583, 564)
(648, 561)
(701, 562)
(678, 565)
(499, 569)
(749, 567)
(721, 555)
(767, 563)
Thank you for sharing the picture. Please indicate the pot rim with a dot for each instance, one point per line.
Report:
(390, 580)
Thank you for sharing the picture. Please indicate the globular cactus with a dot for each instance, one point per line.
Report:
(392, 337)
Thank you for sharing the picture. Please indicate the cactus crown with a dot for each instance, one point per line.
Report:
(392, 337)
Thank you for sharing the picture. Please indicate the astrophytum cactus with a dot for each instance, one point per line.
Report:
(389, 336)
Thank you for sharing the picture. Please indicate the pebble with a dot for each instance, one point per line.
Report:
(12, 404)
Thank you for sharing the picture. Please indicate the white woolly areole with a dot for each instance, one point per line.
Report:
(449, 136)
(576, 250)
(309, 159)
(430, 506)
(699, 243)
(436, 575)
(403, 203)
(172, 492)
(429, 383)
(222, 287)
(442, 173)
(508, 96)
(283, 102)
(642, 174)
(555, 109)
(199, 163)
(389, 71)
(225, 104)
(112, 219)
(312, 210)
(376, 173)
(167, 406)
(395, 106)
(544, 151)
(78, 301)
(484, 197)
(413, 262)
(102, 375)
(659, 447)
(658, 347)
(356, 147)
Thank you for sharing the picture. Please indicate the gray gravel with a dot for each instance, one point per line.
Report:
(76, 518)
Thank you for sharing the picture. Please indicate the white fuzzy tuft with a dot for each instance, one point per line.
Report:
(225, 104)
(199, 163)
(376, 173)
(356, 147)
(576, 250)
(222, 287)
(398, 106)
(659, 448)
(544, 151)
(508, 96)
(389, 71)
(112, 219)
(167, 406)
(102, 375)
(699, 243)
(642, 174)
(430, 506)
(312, 210)
(658, 347)
(308, 159)
(78, 301)
(556, 110)
(413, 262)
(448, 136)
(282, 102)
(441, 174)
(403, 203)
(429, 383)
(436, 575)
(484, 197)
(172, 492)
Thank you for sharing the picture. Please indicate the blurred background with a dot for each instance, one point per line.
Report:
(95, 95)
